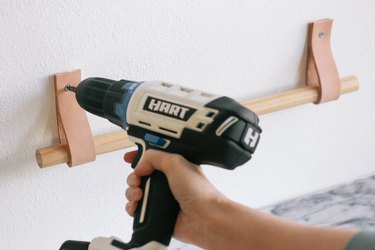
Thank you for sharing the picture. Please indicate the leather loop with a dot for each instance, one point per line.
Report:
(72, 124)
(321, 67)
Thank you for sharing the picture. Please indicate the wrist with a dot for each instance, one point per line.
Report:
(213, 228)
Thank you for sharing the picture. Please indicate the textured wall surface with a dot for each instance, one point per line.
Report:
(244, 49)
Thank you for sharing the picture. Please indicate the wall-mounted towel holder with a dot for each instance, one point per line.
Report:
(72, 124)
(78, 146)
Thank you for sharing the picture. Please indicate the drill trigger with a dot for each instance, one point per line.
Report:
(139, 155)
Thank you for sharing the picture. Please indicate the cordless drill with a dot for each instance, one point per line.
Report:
(202, 127)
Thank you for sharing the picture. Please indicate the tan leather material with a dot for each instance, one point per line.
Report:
(72, 124)
(321, 67)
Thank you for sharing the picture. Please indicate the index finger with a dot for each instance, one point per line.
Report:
(130, 156)
(167, 163)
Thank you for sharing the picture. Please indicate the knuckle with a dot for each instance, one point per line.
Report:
(133, 180)
(133, 193)
(128, 208)
(131, 207)
(128, 194)
(177, 159)
(138, 194)
(129, 179)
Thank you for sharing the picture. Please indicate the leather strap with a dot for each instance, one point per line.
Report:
(72, 124)
(321, 68)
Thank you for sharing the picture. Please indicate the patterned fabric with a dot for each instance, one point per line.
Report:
(351, 205)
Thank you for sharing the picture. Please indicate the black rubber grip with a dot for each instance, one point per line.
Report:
(75, 245)
(159, 215)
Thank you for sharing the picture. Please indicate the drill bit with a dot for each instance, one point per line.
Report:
(70, 87)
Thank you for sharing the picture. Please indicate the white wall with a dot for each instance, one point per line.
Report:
(244, 49)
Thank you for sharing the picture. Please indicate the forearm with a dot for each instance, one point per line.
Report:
(228, 225)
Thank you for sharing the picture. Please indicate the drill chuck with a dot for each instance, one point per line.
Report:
(99, 96)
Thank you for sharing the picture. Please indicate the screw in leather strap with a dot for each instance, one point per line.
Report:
(72, 124)
(321, 69)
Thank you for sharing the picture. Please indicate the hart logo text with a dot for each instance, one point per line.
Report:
(169, 109)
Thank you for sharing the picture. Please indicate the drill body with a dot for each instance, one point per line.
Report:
(202, 127)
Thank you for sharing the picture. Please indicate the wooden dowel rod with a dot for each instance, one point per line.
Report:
(295, 97)
(56, 154)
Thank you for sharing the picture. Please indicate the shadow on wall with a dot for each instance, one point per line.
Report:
(34, 125)
(302, 65)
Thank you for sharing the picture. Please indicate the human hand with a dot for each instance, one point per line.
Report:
(210, 220)
(194, 193)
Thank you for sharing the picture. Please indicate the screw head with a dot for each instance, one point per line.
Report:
(70, 87)
(322, 34)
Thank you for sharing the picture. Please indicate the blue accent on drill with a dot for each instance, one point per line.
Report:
(121, 107)
(156, 140)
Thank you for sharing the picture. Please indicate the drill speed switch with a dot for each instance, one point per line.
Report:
(202, 127)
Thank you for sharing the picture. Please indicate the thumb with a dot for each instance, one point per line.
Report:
(158, 160)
